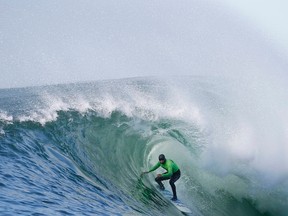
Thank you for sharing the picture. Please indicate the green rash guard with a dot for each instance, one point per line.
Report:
(169, 165)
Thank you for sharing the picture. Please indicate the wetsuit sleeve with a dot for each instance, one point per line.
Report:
(156, 166)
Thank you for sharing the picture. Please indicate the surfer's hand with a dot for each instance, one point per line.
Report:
(159, 175)
(143, 173)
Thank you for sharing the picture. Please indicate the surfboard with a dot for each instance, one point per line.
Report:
(178, 203)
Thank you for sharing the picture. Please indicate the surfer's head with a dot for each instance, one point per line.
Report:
(162, 158)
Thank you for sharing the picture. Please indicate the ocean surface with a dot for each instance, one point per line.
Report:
(79, 149)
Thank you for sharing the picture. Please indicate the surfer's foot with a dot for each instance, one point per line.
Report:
(162, 187)
(174, 199)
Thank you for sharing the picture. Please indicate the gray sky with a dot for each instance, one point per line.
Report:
(49, 42)
(267, 16)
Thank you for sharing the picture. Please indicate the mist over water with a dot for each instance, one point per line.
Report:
(59, 42)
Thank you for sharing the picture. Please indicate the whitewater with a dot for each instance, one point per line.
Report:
(79, 149)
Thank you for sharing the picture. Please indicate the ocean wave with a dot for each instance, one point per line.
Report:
(80, 148)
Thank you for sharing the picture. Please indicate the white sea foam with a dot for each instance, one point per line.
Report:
(4, 116)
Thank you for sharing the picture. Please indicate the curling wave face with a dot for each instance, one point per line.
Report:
(80, 148)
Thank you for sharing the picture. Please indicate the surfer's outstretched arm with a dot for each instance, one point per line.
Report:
(156, 166)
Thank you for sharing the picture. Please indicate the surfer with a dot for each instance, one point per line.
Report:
(172, 172)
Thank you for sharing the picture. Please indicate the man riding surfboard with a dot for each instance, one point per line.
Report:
(172, 172)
